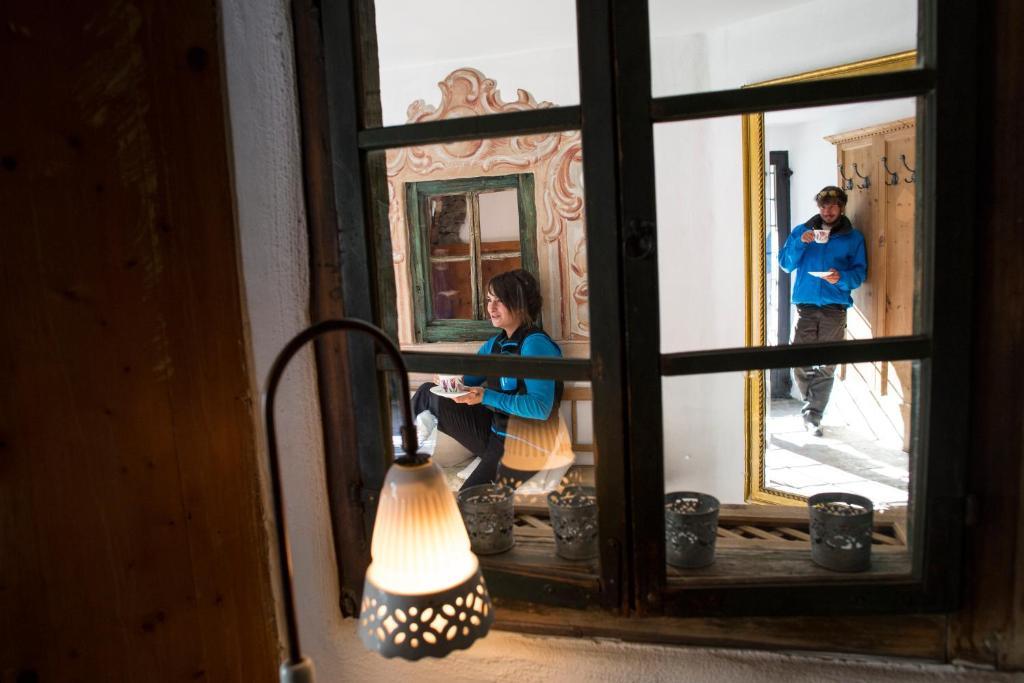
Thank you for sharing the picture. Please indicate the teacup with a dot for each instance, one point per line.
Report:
(821, 236)
(450, 384)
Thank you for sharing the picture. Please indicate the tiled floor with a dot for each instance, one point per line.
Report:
(861, 450)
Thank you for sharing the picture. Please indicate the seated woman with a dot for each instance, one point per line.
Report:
(479, 420)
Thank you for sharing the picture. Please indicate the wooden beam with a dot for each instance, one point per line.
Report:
(352, 537)
(921, 636)
(990, 627)
(131, 512)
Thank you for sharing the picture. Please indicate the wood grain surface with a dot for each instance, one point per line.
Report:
(132, 527)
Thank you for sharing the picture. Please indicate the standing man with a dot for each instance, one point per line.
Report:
(828, 254)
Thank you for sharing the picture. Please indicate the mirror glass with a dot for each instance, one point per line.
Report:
(864, 410)
(863, 441)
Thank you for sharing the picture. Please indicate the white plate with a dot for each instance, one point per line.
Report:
(438, 391)
(819, 273)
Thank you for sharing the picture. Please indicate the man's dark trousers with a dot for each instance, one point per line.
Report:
(817, 324)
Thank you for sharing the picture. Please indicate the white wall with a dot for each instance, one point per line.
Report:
(701, 285)
(260, 84)
(529, 44)
(271, 222)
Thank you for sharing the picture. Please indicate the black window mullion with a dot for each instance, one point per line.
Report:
(789, 356)
(817, 93)
(607, 335)
(533, 367)
(946, 154)
(532, 122)
(637, 214)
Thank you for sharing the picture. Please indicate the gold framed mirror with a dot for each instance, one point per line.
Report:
(756, 486)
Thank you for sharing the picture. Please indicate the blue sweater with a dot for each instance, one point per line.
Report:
(844, 251)
(536, 403)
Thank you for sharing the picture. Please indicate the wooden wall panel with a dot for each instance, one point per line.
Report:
(131, 519)
(861, 211)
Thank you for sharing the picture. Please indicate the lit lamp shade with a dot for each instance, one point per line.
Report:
(537, 445)
(424, 595)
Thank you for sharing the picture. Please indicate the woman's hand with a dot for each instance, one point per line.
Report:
(473, 396)
(832, 277)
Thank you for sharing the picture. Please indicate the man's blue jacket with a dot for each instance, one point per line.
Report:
(844, 251)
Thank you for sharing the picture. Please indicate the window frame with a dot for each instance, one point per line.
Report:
(626, 364)
(416, 193)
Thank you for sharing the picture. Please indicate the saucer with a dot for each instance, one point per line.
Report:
(438, 391)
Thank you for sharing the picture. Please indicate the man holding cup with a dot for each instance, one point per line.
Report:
(829, 258)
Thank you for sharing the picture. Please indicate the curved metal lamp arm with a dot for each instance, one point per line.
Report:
(409, 445)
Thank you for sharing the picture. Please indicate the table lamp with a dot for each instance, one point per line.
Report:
(424, 595)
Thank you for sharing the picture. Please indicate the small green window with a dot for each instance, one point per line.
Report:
(463, 232)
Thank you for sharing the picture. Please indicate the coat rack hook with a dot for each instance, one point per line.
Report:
(913, 175)
(867, 179)
(892, 178)
(847, 182)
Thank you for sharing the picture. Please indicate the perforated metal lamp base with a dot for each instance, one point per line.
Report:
(417, 626)
(301, 672)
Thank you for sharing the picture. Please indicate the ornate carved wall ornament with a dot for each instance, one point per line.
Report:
(555, 159)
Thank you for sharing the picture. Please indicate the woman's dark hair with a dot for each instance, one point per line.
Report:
(520, 293)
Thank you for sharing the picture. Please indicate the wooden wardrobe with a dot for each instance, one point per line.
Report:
(874, 166)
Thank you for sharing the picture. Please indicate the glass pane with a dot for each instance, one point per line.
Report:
(701, 46)
(858, 442)
(451, 284)
(536, 457)
(499, 219)
(454, 58)
(774, 271)
(499, 235)
(496, 264)
(450, 232)
(451, 257)
(454, 221)
(762, 476)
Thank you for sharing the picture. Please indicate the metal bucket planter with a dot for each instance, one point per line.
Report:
(487, 511)
(691, 527)
(574, 521)
(840, 526)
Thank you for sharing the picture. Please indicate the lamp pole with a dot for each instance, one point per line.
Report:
(298, 669)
